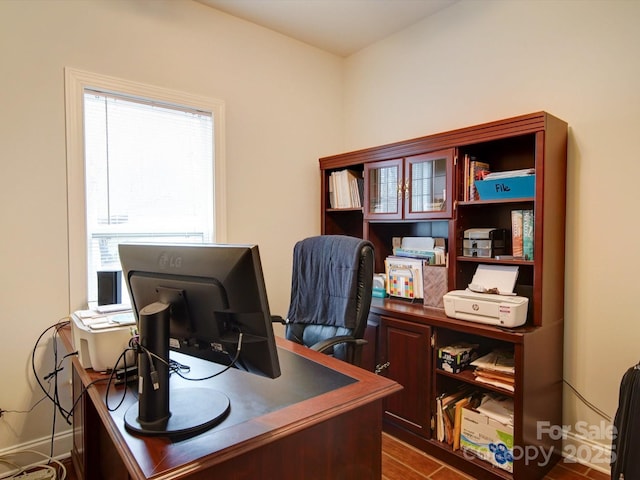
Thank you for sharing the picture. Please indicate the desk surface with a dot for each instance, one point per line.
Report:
(312, 389)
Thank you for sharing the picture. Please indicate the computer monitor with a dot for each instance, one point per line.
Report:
(205, 300)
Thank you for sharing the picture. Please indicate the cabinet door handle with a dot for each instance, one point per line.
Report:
(400, 190)
(379, 368)
(406, 190)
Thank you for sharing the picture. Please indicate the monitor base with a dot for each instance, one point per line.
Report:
(192, 411)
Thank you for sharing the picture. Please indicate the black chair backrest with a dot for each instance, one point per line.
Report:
(331, 285)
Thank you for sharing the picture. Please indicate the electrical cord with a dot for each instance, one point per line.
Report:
(112, 375)
(227, 367)
(14, 466)
(177, 368)
(2, 411)
(52, 377)
(58, 472)
(57, 369)
(587, 403)
(174, 367)
(84, 390)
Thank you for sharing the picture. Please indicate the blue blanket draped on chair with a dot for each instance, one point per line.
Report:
(325, 280)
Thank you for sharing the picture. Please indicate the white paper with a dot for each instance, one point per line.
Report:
(418, 243)
(502, 277)
(499, 409)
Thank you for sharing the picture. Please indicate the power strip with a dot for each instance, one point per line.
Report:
(37, 475)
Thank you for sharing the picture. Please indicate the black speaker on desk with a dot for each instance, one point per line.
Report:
(109, 287)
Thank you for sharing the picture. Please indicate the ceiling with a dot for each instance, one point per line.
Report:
(341, 27)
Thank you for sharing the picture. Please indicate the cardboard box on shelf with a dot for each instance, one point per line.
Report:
(487, 438)
(455, 358)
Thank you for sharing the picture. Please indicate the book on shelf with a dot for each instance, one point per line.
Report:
(428, 255)
(516, 233)
(522, 230)
(527, 234)
(477, 171)
(473, 170)
(432, 250)
(465, 179)
(346, 189)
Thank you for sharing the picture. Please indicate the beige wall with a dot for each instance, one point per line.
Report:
(283, 110)
(479, 61)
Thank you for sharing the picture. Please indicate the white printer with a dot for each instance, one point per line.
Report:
(101, 338)
(489, 298)
(494, 309)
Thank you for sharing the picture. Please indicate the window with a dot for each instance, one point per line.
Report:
(150, 162)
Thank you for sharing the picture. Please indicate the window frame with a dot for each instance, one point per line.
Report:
(76, 81)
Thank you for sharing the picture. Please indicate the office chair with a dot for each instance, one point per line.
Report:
(331, 295)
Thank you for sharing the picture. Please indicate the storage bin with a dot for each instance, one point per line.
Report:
(476, 243)
(477, 252)
(504, 188)
(483, 242)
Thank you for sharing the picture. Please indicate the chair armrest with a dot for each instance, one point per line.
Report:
(278, 319)
(330, 342)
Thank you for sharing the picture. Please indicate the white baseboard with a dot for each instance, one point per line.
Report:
(62, 445)
(579, 449)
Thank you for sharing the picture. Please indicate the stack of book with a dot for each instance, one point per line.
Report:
(473, 170)
(522, 234)
(346, 189)
(431, 250)
(496, 368)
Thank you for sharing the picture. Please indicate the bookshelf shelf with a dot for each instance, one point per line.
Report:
(408, 336)
(479, 467)
(467, 376)
(479, 203)
(505, 261)
(353, 209)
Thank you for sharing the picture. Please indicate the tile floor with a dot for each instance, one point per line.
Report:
(404, 462)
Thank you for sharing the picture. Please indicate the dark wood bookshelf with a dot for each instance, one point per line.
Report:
(405, 336)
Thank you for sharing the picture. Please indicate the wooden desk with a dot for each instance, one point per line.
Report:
(322, 419)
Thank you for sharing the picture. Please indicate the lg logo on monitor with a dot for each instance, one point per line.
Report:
(169, 261)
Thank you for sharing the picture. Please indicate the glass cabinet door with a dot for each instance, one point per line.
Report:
(383, 189)
(428, 185)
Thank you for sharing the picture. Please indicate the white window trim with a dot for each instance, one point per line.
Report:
(75, 83)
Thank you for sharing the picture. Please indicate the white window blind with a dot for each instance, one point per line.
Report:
(149, 176)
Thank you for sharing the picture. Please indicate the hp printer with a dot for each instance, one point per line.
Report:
(493, 309)
(489, 298)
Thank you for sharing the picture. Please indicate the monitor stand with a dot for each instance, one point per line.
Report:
(191, 410)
